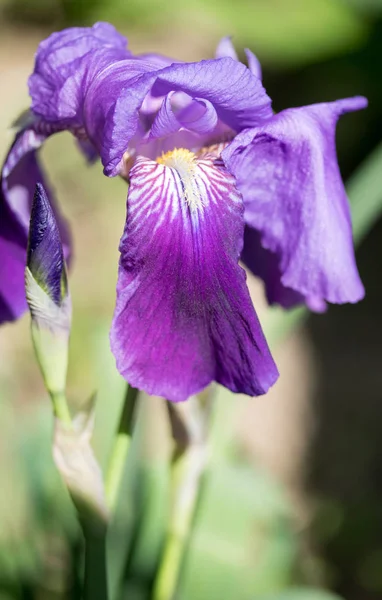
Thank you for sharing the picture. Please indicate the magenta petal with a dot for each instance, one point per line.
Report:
(294, 196)
(184, 316)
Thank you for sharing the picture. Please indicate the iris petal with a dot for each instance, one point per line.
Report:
(184, 316)
(61, 66)
(165, 122)
(86, 78)
(294, 196)
(226, 48)
(265, 264)
(254, 64)
(199, 116)
(242, 104)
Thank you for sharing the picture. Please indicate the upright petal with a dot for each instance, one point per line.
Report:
(61, 66)
(184, 316)
(20, 173)
(254, 64)
(85, 80)
(242, 104)
(226, 48)
(294, 196)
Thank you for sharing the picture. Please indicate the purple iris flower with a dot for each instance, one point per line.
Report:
(210, 168)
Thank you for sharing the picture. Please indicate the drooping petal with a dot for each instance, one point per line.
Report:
(265, 264)
(21, 172)
(183, 316)
(294, 196)
(12, 265)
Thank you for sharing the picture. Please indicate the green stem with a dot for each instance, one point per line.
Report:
(188, 473)
(191, 472)
(120, 448)
(95, 582)
(61, 408)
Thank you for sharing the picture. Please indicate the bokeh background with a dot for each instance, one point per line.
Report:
(314, 445)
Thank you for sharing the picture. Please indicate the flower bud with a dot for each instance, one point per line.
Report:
(47, 293)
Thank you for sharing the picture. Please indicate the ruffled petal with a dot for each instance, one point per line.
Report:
(184, 316)
(242, 104)
(294, 196)
(86, 80)
(61, 66)
(21, 172)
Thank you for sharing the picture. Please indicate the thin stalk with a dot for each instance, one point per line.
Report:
(61, 408)
(188, 473)
(120, 448)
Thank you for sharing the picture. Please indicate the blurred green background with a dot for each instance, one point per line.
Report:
(306, 509)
